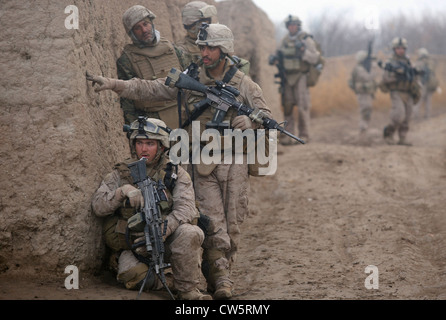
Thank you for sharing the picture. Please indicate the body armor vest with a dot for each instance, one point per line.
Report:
(151, 63)
(400, 84)
(191, 51)
(114, 227)
(291, 61)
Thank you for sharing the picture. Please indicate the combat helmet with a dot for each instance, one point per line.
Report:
(399, 42)
(216, 35)
(135, 14)
(197, 10)
(292, 19)
(422, 52)
(147, 128)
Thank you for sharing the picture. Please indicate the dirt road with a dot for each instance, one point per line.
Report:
(334, 207)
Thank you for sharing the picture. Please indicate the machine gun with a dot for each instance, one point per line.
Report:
(403, 71)
(222, 97)
(278, 61)
(150, 221)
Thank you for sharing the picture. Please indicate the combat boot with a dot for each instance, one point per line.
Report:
(389, 140)
(215, 268)
(193, 295)
(403, 142)
(223, 292)
(388, 135)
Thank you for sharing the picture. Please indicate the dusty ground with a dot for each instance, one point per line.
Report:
(334, 207)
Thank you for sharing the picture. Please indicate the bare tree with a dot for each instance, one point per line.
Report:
(339, 34)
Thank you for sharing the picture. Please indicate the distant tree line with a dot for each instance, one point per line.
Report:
(340, 35)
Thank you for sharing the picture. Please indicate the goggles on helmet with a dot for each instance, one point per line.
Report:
(203, 35)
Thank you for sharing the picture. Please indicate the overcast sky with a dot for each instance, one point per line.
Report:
(278, 10)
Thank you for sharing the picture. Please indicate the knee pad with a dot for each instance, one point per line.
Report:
(131, 272)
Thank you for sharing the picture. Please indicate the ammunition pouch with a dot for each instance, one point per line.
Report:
(113, 230)
(365, 87)
(314, 73)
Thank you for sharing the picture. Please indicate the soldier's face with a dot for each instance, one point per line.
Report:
(400, 51)
(293, 28)
(210, 55)
(143, 31)
(146, 148)
(194, 28)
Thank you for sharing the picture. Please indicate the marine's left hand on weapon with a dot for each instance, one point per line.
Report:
(242, 122)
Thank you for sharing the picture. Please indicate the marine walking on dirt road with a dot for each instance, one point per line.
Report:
(399, 79)
(429, 83)
(119, 200)
(299, 62)
(362, 82)
(221, 189)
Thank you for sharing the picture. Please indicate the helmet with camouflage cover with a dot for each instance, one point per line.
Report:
(135, 14)
(422, 52)
(148, 128)
(197, 10)
(399, 42)
(292, 19)
(216, 35)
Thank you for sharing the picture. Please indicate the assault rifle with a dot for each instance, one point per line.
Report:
(278, 61)
(403, 71)
(221, 97)
(149, 219)
(368, 60)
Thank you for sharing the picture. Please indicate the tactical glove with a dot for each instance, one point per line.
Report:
(242, 122)
(133, 194)
(105, 83)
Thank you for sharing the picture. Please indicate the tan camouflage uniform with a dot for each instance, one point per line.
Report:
(402, 94)
(193, 15)
(223, 193)
(183, 244)
(429, 83)
(295, 90)
(364, 85)
(147, 61)
(221, 189)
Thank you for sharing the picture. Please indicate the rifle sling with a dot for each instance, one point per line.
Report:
(198, 112)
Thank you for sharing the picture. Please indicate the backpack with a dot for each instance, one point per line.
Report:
(315, 69)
